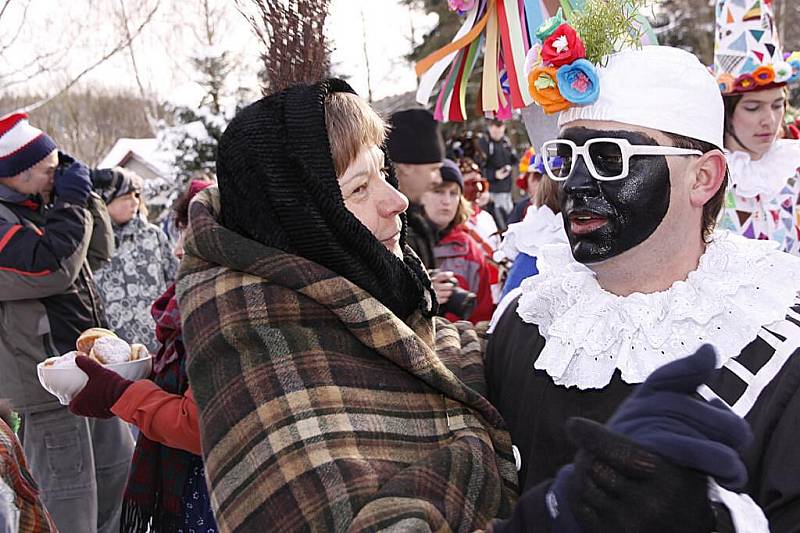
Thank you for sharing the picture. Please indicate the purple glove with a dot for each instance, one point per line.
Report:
(72, 183)
(101, 391)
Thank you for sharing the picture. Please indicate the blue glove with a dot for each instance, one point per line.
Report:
(664, 416)
(72, 183)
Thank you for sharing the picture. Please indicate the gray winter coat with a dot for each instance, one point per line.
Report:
(47, 296)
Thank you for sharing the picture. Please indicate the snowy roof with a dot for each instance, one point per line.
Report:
(399, 102)
(147, 150)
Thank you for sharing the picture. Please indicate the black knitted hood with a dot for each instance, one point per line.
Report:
(278, 186)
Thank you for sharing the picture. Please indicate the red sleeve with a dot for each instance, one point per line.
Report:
(170, 419)
(485, 306)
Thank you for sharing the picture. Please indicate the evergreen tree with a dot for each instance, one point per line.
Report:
(194, 138)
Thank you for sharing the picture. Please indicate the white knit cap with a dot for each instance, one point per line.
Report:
(657, 87)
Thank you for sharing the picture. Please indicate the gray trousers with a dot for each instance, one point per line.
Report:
(81, 466)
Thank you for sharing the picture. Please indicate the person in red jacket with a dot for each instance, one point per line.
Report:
(457, 251)
(166, 488)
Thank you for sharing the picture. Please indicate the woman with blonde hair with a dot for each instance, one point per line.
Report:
(457, 251)
(322, 386)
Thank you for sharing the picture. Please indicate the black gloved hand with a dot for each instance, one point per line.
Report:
(666, 417)
(72, 182)
(619, 486)
(100, 393)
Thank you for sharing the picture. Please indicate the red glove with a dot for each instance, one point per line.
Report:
(101, 391)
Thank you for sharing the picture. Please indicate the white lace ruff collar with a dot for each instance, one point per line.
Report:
(768, 175)
(739, 286)
(540, 227)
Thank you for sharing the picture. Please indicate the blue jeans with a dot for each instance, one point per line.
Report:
(81, 466)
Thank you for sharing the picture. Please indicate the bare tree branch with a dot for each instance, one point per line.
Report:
(366, 55)
(122, 45)
(21, 25)
(3, 9)
(132, 54)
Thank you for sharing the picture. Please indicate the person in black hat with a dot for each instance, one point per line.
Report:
(416, 148)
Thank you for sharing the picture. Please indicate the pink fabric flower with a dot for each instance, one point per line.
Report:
(461, 6)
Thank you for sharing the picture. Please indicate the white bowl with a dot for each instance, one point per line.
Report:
(65, 383)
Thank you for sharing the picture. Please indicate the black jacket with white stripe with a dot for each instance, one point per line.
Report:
(762, 384)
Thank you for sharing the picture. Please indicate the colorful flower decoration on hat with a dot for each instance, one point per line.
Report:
(495, 38)
(544, 89)
(744, 83)
(547, 28)
(578, 82)
(726, 83)
(764, 75)
(571, 49)
(783, 71)
(780, 72)
(562, 47)
(561, 76)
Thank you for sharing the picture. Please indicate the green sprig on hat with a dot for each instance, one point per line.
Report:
(606, 26)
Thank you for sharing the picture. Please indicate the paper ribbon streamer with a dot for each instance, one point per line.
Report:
(428, 79)
(503, 31)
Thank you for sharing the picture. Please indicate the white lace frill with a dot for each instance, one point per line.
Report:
(768, 175)
(739, 286)
(540, 227)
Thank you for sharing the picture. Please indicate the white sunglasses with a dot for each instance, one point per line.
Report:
(607, 158)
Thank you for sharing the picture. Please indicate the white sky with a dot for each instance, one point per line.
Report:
(388, 31)
(81, 31)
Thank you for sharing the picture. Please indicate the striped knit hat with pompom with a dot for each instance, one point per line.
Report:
(21, 145)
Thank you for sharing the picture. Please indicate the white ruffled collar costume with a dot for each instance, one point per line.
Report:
(739, 286)
(540, 227)
(767, 176)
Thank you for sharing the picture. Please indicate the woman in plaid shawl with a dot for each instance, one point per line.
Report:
(328, 401)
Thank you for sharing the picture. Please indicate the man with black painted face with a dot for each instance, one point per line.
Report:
(644, 281)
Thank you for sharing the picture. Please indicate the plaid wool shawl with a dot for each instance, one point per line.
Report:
(320, 410)
(14, 473)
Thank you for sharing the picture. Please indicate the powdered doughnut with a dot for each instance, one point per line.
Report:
(111, 350)
(87, 339)
(138, 351)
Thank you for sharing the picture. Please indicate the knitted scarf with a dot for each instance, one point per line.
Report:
(321, 410)
(157, 479)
